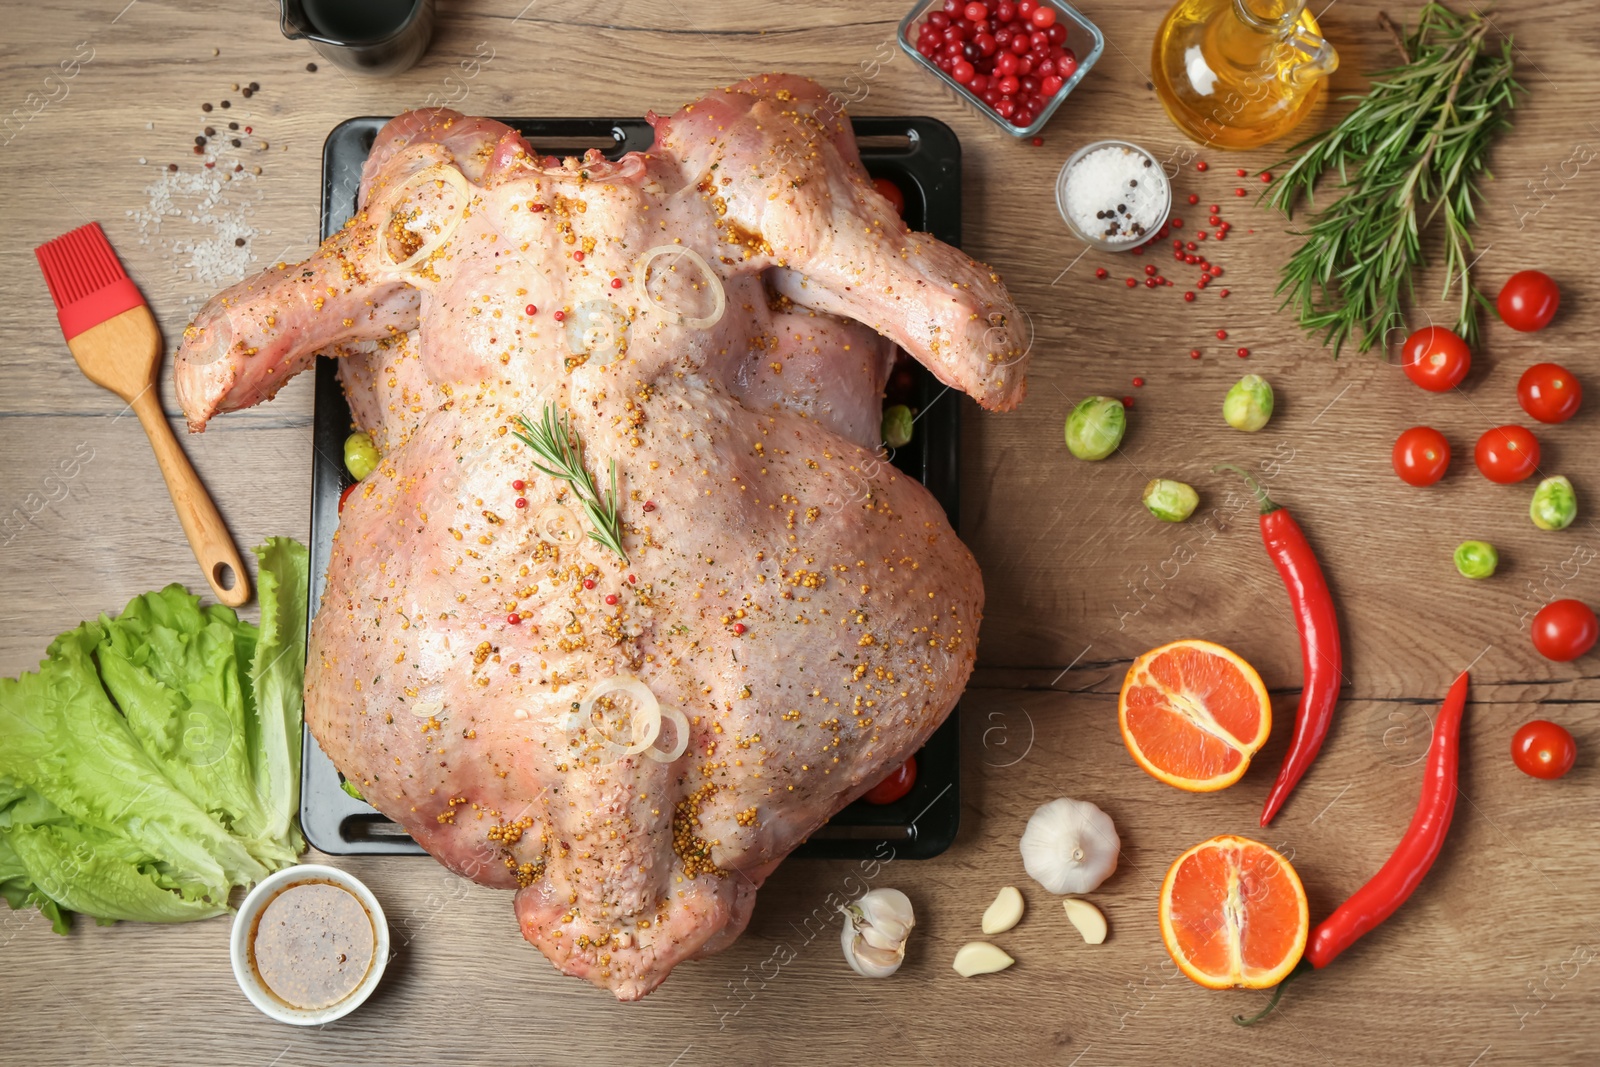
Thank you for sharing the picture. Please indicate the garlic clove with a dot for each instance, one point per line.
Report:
(980, 957)
(1005, 912)
(876, 926)
(1088, 919)
(871, 962)
(887, 909)
(878, 938)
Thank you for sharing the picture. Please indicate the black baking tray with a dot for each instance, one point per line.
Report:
(920, 155)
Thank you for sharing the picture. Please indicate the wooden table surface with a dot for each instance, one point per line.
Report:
(1489, 963)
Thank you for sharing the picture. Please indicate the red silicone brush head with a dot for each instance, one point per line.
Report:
(86, 279)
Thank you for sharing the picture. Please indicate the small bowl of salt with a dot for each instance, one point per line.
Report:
(1114, 195)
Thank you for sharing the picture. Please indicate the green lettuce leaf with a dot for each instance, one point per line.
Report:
(277, 678)
(61, 735)
(153, 761)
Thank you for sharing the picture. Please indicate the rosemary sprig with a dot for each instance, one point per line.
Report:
(553, 441)
(1412, 148)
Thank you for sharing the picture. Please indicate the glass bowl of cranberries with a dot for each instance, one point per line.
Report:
(1014, 60)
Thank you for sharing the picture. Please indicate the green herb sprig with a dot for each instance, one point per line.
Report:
(553, 441)
(1412, 148)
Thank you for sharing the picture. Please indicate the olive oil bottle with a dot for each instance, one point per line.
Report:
(1240, 73)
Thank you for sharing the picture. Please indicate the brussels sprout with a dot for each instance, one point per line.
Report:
(1476, 559)
(1095, 427)
(1554, 504)
(1170, 501)
(1248, 404)
(897, 426)
(360, 455)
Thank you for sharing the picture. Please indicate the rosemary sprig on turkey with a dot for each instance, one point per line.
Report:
(553, 441)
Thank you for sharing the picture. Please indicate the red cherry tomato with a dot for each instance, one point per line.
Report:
(1529, 301)
(891, 192)
(1543, 749)
(1436, 359)
(1549, 392)
(895, 786)
(1564, 630)
(1507, 454)
(1421, 456)
(346, 495)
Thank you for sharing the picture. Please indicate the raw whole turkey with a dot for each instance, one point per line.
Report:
(630, 731)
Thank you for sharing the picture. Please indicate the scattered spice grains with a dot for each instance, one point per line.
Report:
(1184, 251)
(312, 67)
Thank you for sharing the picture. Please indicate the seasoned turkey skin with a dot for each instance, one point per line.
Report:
(805, 606)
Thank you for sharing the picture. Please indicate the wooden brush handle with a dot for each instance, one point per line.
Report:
(209, 538)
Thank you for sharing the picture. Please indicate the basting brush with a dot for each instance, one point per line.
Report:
(117, 344)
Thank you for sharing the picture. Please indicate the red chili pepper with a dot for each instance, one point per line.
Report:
(1398, 878)
(1319, 642)
(1411, 860)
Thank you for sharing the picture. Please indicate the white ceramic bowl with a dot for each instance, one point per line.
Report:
(245, 921)
(1156, 171)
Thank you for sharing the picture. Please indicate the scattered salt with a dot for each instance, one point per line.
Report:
(197, 222)
(1116, 194)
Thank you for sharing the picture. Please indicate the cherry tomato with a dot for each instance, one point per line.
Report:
(1564, 630)
(895, 786)
(1529, 301)
(1436, 359)
(891, 192)
(346, 495)
(1543, 749)
(1507, 454)
(1549, 392)
(1421, 456)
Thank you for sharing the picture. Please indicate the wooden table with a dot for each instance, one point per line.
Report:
(1489, 963)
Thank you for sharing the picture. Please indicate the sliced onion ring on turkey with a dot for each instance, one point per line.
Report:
(644, 723)
(719, 298)
(645, 720)
(443, 223)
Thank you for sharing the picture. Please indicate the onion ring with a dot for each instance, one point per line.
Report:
(647, 715)
(680, 743)
(438, 172)
(641, 272)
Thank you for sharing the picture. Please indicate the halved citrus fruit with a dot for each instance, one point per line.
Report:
(1193, 713)
(1233, 914)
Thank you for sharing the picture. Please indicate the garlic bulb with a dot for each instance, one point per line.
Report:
(1070, 846)
(876, 926)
